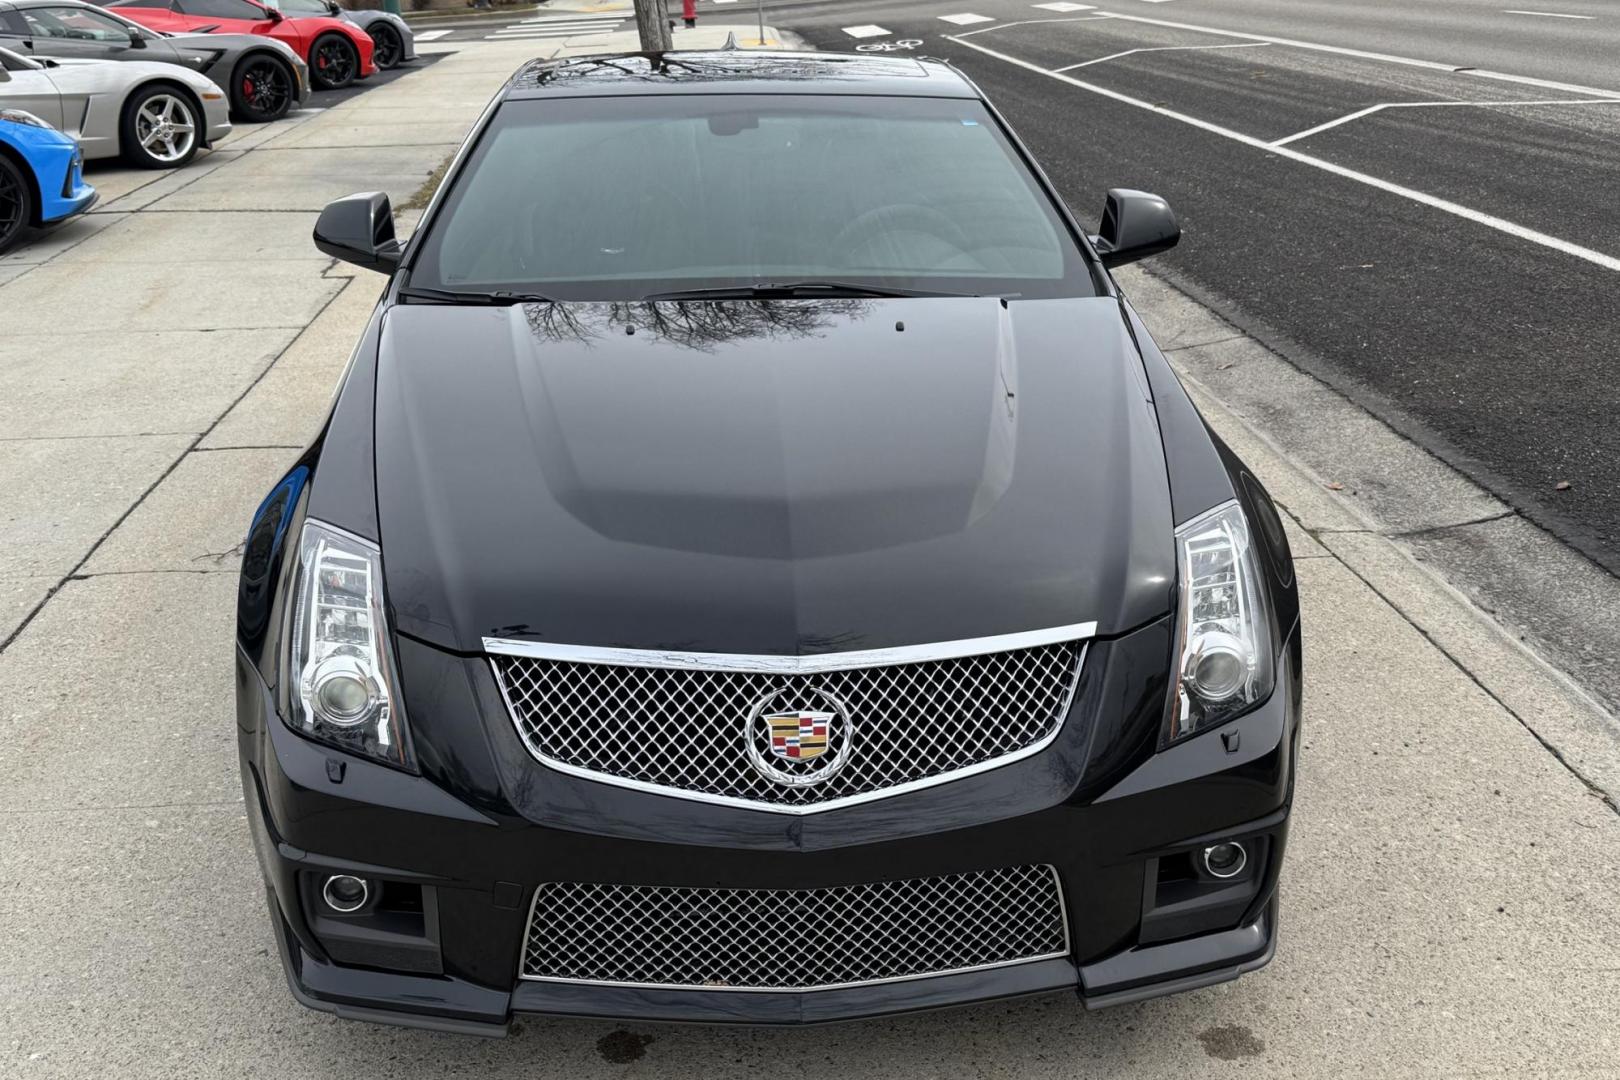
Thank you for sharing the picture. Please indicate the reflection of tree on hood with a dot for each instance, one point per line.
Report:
(695, 324)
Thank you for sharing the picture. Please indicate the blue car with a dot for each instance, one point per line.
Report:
(41, 176)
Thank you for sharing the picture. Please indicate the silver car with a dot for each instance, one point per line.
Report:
(156, 116)
(264, 77)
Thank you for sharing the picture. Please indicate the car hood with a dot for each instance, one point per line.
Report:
(777, 477)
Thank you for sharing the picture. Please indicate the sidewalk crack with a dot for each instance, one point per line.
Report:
(1404, 533)
(1558, 755)
(76, 572)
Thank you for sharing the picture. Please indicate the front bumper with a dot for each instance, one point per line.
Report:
(58, 168)
(216, 117)
(478, 854)
(71, 197)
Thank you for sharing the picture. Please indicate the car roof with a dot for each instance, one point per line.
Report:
(737, 72)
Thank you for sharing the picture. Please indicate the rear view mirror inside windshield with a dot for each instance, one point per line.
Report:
(733, 123)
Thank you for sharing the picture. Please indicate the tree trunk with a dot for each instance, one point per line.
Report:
(652, 25)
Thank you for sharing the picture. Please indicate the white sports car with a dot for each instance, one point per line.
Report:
(156, 116)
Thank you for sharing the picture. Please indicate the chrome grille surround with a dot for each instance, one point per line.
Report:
(690, 724)
(678, 938)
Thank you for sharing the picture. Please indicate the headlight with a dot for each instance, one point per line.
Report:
(1224, 661)
(17, 116)
(341, 685)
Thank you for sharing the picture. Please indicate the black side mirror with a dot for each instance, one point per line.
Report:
(275, 16)
(359, 229)
(137, 40)
(333, 9)
(1135, 224)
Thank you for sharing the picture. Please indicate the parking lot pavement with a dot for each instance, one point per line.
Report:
(1451, 903)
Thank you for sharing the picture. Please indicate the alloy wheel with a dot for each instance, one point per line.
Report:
(334, 62)
(165, 128)
(389, 48)
(13, 205)
(265, 89)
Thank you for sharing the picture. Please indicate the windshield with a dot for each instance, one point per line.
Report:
(299, 7)
(619, 198)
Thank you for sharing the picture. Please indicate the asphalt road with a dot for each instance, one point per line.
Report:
(1485, 328)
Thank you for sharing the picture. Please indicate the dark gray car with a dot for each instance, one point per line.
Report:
(263, 77)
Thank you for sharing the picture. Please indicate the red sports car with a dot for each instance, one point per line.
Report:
(337, 52)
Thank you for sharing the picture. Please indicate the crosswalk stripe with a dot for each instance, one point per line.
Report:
(433, 35)
(557, 26)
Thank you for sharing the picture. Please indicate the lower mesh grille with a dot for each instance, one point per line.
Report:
(793, 939)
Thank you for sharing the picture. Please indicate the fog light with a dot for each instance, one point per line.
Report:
(1225, 860)
(345, 893)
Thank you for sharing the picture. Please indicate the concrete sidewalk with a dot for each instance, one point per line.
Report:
(1451, 903)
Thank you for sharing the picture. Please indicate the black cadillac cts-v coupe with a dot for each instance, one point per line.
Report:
(758, 568)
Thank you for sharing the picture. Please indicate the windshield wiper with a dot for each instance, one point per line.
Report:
(765, 290)
(496, 298)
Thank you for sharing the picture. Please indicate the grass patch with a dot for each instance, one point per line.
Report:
(424, 194)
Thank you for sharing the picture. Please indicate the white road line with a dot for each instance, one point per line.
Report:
(1358, 114)
(1032, 22)
(1345, 119)
(1163, 48)
(1065, 7)
(1478, 73)
(520, 30)
(1490, 221)
(433, 35)
(1546, 14)
(866, 31)
(513, 35)
(965, 20)
(535, 31)
(599, 21)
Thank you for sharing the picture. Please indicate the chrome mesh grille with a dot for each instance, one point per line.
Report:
(700, 730)
(793, 939)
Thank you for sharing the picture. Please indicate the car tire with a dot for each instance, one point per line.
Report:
(161, 128)
(334, 62)
(16, 203)
(390, 46)
(262, 89)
